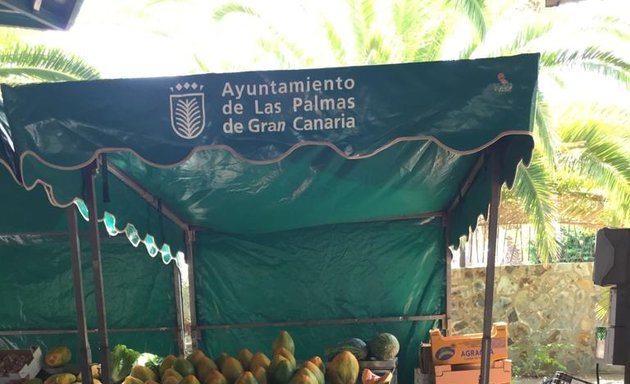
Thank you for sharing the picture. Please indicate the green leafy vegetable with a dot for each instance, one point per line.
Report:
(123, 359)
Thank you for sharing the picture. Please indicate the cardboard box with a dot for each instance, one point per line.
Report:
(466, 349)
(500, 373)
(29, 370)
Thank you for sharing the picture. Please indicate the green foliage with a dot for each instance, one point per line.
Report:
(538, 362)
(577, 245)
(21, 63)
(123, 359)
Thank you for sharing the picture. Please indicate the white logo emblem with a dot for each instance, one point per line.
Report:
(188, 114)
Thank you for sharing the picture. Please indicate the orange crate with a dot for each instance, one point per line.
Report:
(466, 349)
(500, 373)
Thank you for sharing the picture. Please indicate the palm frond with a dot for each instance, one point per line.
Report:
(546, 136)
(533, 189)
(233, 8)
(335, 42)
(474, 11)
(362, 14)
(20, 62)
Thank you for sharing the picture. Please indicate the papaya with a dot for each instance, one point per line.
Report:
(62, 378)
(288, 355)
(344, 369)
(281, 370)
(183, 366)
(247, 378)
(221, 359)
(166, 363)
(151, 382)
(303, 376)
(204, 367)
(259, 360)
(170, 372)
(170, 380)
(232, 369)
(195, 356)
(314, 370)
(319, 363)
(132, 380)
(260, 374)
(215, 377)
(34, 381)
(142, 373)
(189, 379)
(245, 357)
(58, 357)
(283, 340)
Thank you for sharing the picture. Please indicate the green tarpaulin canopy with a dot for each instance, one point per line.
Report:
(313, 194)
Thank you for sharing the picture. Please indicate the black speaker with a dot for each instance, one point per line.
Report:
(612, 251)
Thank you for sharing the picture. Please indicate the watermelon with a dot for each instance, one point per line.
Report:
(384, 346)
(355, 346)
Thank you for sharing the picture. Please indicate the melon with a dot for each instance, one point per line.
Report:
(384, 346)
(204, 366)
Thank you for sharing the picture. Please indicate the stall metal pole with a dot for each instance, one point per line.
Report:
(486, 341)
(89, 176)
(177, 285)
(79, 296)
(195, 334)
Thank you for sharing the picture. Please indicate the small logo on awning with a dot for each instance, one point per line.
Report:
(503, 86)
(188, 115)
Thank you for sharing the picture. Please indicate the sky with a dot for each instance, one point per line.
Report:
(123, 39)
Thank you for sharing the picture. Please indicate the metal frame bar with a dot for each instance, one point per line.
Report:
(467, 183)
(26, 332)
(177, 287)
(368, 320)
(79, 296)
(495, 199)
(194, 330)
(147, 196)
(418, 216)
(89, 175)
(448, 256)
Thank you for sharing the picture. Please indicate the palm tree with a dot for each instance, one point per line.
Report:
(23, 63)
(579, 157)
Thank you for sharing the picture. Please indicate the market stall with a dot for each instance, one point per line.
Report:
(320, 201)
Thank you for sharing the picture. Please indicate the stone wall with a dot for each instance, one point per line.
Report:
(543, 305)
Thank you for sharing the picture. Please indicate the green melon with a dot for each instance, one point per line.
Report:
(384, 346)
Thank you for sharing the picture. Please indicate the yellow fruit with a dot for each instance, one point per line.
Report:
(58, 357)
(283, 340)
(259, 360)
(287, 354)
(215, 377)
(170, 372)
(132, 380)
(245, 357)
(166, 364)
(61, 378)
(204, 367)
(195, 356)
(142, 373)
(232, 369)
(319, 375)
(260, 374)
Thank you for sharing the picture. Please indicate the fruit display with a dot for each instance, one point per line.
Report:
(246, 367)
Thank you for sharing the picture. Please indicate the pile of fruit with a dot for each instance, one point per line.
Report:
(281, 368)
(59, 357)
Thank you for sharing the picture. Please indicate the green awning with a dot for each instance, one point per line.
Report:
(395, 140)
